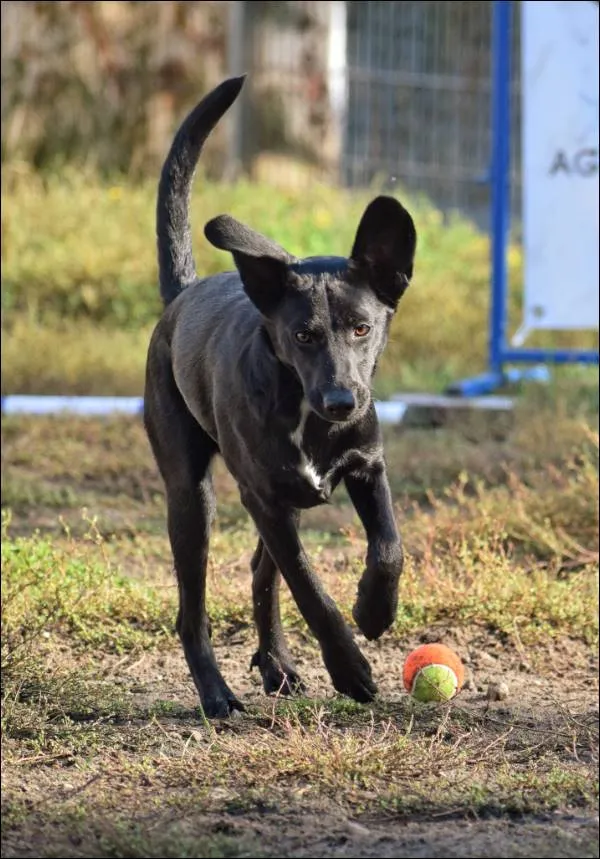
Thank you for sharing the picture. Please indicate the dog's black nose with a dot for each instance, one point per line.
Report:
(339, 403)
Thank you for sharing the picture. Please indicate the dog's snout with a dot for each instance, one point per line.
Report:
(338, 403)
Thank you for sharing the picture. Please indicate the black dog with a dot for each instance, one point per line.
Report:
(271, 366)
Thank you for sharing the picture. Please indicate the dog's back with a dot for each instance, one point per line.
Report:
(208, 326)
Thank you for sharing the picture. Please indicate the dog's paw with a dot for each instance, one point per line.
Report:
(350, 672)
(219, 702)
(278, 674)
(376, 605)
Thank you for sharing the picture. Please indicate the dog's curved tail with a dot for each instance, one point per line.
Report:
(175, 258)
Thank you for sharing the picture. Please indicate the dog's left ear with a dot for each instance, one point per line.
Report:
(262, 263)
(384, 249)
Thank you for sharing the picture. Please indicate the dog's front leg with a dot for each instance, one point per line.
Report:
(377, 600)
(349, 670)
(272, 658)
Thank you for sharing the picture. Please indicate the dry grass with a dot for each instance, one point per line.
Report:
(105, 752)
(79, 292)
(104, 749)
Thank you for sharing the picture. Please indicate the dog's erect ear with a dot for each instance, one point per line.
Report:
(262, 263)
(384, 248)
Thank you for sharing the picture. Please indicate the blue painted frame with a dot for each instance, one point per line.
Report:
(499, 353)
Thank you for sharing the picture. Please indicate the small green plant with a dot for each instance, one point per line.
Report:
(60, 590)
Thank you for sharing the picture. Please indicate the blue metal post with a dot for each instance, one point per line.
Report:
(501, 78)
(498, 352)
(500, 203)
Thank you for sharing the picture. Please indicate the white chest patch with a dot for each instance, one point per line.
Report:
(306, 468)
(298, 433)
(309, 471)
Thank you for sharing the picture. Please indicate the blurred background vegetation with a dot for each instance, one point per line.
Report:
(92, 93)
(100, 84)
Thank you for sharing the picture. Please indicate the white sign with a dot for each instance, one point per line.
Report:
(560, 163)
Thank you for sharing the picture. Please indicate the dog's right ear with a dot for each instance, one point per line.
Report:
(262, 263)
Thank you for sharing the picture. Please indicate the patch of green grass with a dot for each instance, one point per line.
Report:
(523, 556)
(484, 587)
(49, 589)
(338, 711)
(62, 830)
(60, 716)
(20, 494)
(509, 793)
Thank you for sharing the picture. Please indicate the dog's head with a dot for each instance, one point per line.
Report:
(328, 317)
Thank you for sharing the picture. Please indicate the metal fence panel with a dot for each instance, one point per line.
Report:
(379, 93)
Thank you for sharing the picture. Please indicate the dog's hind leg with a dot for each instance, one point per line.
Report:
(184, 452)
(189, 515)
(272, 657)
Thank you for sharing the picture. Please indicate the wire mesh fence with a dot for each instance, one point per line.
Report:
(378, 93)
(381, 93)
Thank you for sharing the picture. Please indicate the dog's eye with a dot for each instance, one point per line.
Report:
(303, 337)
(362, 330)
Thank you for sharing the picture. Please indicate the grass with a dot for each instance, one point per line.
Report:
(101, 725)
(517, 552)
(79, 267)
(62, 590)
(379, 764)
(105, 750)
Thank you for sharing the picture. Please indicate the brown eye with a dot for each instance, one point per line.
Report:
(303, 337)
(362, 330)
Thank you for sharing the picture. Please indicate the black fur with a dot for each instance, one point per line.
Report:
(175, 257)
(271, 366)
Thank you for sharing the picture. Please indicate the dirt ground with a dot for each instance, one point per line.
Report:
(548, 705)
(547, 698)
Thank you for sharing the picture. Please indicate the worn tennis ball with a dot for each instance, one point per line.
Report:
(433, 672)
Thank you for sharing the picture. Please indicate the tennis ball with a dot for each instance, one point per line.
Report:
(433, 672)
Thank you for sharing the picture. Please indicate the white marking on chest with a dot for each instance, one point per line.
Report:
(308, 470)
(306, 467)
(298, 433)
